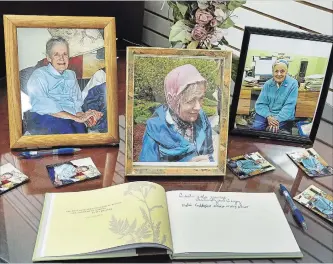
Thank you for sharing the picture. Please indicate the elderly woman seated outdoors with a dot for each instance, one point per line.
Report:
(56, 97)
(179, 131)
(277, 100)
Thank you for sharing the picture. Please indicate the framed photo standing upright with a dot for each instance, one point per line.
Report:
(61, 80)
(282, 84)
(177, 111)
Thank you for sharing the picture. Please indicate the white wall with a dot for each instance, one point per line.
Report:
(31, 45)
(290, 46)
(276, 14)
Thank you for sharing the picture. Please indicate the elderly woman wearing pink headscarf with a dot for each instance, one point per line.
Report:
(179, 130)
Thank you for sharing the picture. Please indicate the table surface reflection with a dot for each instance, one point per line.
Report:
(20, 209)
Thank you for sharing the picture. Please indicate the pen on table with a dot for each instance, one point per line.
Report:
(295, 211)
(41, 153)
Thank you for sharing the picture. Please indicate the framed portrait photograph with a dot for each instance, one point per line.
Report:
(61, 80)
(177, 111)
(282, 83)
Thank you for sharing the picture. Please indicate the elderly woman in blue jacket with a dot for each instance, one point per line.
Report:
(56, 97)
(179, 131)
(277, 100)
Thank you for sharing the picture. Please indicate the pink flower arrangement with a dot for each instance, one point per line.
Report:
(199, 32)
(203, 17)
(203, 23)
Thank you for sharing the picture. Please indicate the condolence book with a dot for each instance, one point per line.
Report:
(120, 220)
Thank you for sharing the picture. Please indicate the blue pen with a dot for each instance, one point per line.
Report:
(295, 211)
(41, 153)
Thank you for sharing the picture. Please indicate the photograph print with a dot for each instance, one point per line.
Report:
(72, 171)
(61, 80)
(317, 201)
(10, 178)
(177, 108)
(248, 165)
(281, 84)
(311, 163)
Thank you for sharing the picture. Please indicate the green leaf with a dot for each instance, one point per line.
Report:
(180, 32)
(132, 227)
(140, 120)
(227, 23)
(182, 8)
(173, 43)
(235, 4)
(193, 44)
(144, 214)
(223, 7)
(209, 110)
(143, 232)
(177, 15)
(172, 4)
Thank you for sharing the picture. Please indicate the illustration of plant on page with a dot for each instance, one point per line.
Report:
(151, 224)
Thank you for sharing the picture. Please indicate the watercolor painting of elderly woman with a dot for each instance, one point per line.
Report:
(176, 110)
(280, 86)
(56, 98)
(180, 130)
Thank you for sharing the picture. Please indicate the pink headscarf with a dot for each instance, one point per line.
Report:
(176, 82)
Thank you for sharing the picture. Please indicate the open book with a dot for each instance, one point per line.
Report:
(120, 220)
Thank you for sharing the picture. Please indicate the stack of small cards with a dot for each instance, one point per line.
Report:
(311, 163)
(72, 171)
(249, 165)
(10, 178)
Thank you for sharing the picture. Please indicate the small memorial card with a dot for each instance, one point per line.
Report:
(311, 163)
(10, 178)
(249, 165)
(317, 201)
(72, 171)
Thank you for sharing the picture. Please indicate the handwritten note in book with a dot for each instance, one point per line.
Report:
(209, 201)
(210, 222)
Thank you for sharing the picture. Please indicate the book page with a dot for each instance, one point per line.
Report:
(228, 222)
(89, 221)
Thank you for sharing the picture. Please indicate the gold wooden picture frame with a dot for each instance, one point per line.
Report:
(177, 111)
(76, 86)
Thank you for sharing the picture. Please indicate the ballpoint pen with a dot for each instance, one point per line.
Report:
(295, 211)
(42, 153)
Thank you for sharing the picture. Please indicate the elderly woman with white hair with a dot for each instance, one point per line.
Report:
(56, 97)
(277, 100)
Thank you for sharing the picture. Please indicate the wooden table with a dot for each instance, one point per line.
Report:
(20, 209)
(244, 102)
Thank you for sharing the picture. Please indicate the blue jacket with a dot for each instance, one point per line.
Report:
(324, 205)
(247, 166)
(51, 92)
(278, 102)
(162, 143)
(312, 164)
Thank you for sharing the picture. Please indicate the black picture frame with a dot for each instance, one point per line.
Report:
(248, 31)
